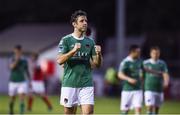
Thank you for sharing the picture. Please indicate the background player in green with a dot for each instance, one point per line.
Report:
(18, 84)
(130, 71)
(77, 52)
(156, 78)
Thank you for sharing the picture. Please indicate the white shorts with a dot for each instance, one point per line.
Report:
(153, 98)
(77, 96)
(131, 99)
(38, 87)
(17, 88)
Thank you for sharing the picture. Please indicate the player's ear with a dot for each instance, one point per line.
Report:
(74, 24)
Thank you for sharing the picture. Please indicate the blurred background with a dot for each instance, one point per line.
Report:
(38, 26)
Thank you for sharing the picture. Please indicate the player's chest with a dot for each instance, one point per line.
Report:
(155, 66)
(134, 66)
(85, 46)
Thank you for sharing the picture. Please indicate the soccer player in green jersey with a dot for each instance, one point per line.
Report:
(77, 53)
(155, 80)
(18, 84)
(130, 71)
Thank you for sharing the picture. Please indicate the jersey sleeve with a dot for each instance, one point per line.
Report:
(93, 52)
(123, 67)
(62, 47)
(141, 69)
(165, 68)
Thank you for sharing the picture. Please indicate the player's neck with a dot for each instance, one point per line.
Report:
(155, 60)
(78, 34)
(132, 57)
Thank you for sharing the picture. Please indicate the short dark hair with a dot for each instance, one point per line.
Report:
(133, 48)
(76, 14)
(154, 48)
(18, 47)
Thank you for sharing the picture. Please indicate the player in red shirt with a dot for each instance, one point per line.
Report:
(38, 87)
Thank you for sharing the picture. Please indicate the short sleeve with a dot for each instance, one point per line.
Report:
(93, 52)
(122, 66)
(165, 68)
(62, 47)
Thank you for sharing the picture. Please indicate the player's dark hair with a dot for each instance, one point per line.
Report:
(76, 14)
(154, 48)
(18, 47)
(133, 48)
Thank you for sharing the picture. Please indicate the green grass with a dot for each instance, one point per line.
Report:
(103, 105)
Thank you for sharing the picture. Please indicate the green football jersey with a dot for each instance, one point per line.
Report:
(77, 69)
(152, 81)
(131, 68)
(18, 74)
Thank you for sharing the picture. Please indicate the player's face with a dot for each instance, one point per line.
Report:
(137, 53)
(81, 23)
(17, 52)
(155, 54)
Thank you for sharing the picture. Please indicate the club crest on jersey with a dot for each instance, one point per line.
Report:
(87, 46)
(61, 49)
(65, 100)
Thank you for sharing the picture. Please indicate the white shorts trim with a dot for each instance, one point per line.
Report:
(153, 98)
(76, 96)
(38, 87)
(17, 88)
(131, 99)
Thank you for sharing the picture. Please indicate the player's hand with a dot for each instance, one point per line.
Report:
(77, 46)
(97, 49)
(165, 85)
(132, 81)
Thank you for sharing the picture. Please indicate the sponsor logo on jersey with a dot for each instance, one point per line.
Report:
(61, 49)
(87, 46)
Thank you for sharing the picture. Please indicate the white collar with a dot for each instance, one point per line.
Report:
(153, 61)
(81, 38)
(130, 58)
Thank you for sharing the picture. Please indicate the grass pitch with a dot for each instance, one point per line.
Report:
(103, 105)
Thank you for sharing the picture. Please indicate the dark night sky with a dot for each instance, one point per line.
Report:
(141, 15)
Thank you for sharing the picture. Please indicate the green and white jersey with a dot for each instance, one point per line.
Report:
(152, 81)
(18, 74)
(131, 68)
(77, 69)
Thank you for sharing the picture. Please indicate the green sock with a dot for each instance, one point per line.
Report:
(11, 106)
(22, 107)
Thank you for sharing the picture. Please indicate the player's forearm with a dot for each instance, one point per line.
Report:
(98, 60)
(153, 71)
(166, 78)
(62, 58)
